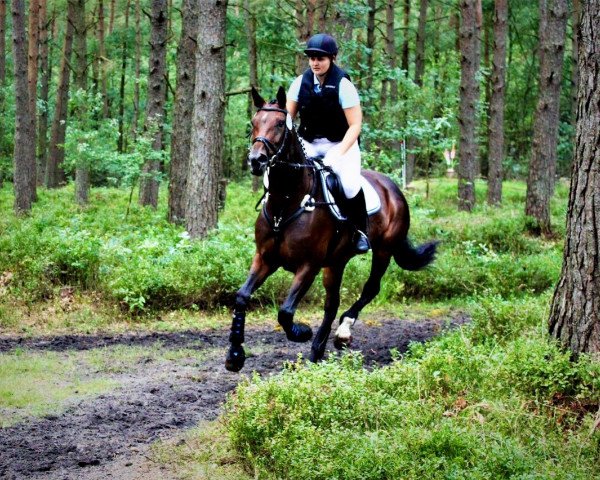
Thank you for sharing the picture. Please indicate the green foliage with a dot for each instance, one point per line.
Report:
(453, 408)
(142, 262)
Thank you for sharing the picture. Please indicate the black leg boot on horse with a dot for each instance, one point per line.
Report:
(357, 214)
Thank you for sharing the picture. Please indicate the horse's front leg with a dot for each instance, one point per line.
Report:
(259, 271)
(297, 332)
(332, 281)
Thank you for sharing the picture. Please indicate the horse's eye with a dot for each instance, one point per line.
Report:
(280, 124)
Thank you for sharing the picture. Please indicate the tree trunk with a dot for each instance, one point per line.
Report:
(420, 46)
(44, 69)
(389, 87)
(574, 62)
(82, 169)
(121, 140)
(469, 97)
(32, 76)
(305, 20)
(208, 121)
(496, 130)
(540, 182)
(101, 59)
(183, 110)
(155, 107)
(137, 67)
(111, 20)
(253, 69)
(370, 44)
(575, 313)
(405, 42)
(24, 153)
(2, 42)
(55, 175)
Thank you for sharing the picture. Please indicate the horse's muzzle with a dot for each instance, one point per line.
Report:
(258, 163)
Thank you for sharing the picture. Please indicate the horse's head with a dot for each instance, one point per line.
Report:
(270, 127)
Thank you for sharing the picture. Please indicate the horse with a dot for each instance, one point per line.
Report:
(296, 231)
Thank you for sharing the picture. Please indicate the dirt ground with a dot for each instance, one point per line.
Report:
(109, 436)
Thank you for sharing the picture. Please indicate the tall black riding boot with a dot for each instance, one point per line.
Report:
(357, 214)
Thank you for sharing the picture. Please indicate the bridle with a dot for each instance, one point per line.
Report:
(270, 147)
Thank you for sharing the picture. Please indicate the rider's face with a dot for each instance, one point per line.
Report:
(319, 65)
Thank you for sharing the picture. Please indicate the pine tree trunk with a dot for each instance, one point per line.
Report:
(55, 175)
(496, 130)
(2, 43)
(469, 97)
(24, 153)
(420, 46)
(101, 59)
(111, 20)
(82, 169)
(183, 110)
(137, 68)
(575, 313)
(121, 140)
(44, 69)
(208, 121)
(155, 107)
(542, 169)
(405, 42)
(250, 18)
(32, 77)
(389, 87)
(575, 72)
(370, 44)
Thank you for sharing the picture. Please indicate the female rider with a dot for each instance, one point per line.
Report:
(330, 123)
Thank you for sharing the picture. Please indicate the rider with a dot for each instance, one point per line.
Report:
(330, 123)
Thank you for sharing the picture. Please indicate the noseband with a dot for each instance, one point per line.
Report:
(271, 148)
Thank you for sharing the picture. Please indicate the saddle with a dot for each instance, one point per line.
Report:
(333, 193)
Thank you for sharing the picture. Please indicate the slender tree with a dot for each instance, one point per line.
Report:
(82, 169)
(33, 50)
(420, 45)
(121, 141)
(542, 169)
(137, 69)
(575, 313)
(469, 97)
(44, 73)
(208, 121)
(183, 109)
(24, 150)
(406, 36)
(370, 43)
(155, 106)
(55, 175)
(496, 130)
(101, 59)
(2, 42)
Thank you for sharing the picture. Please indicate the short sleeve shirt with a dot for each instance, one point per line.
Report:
(347, 91)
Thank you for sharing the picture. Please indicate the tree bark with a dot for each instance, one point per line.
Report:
(121, 140)
(574, 60)
(101, 59)
(2, 42)
(250, 18)
(24, 152)
(542, 169)
(405, 42)
(33, 49)
(420, 46)
(111, 20)
(389, 87)
(44, 70)
(575, 313)
(208, 122)
(137, 68)
(496, 130)
(55, 175)
(155, 107)
(370, 44)
(183, 110)
(469, 97)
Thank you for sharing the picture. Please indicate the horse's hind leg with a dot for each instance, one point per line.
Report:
(332, 280)
(259, 271)
(379, 264)
(297, 332)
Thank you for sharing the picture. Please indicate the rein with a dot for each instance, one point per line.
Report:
(308, 203)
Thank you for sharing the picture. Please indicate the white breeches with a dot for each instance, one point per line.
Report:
(346, 167)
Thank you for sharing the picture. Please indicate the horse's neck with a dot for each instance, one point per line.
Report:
(288, 182)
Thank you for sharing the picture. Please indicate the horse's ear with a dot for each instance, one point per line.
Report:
(281, 97)
(257, 99)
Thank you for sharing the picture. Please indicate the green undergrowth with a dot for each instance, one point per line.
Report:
(142, 263)
(495, 399)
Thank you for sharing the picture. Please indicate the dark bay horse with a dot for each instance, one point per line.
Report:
(299, 234)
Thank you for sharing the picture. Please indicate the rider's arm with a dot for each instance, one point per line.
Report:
(292, 107)
(354, 119)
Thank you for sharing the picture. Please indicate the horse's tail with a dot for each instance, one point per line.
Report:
(415, 258)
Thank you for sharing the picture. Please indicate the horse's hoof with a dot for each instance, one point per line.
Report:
(300, 332)
(342, 343)
(235, 359)
(315, 356)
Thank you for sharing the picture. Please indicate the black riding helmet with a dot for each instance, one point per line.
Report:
(320, 45)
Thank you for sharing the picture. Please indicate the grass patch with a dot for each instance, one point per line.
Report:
(39, 384)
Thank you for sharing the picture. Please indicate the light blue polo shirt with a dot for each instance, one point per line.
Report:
(347, 92)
